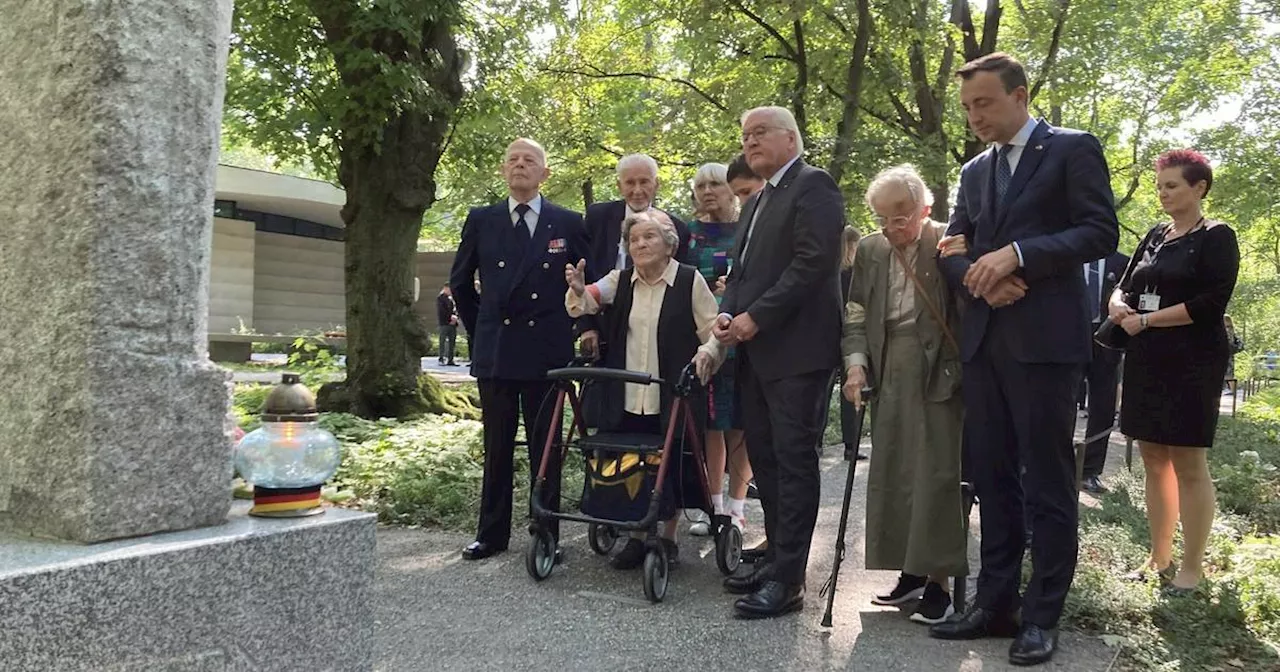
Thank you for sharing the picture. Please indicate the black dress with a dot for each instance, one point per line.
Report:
(1173, 375)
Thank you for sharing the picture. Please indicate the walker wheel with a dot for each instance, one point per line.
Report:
(656, 573)
(540, 559)
(728, 549)
(602, 538)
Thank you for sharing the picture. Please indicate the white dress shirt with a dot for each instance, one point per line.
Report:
(773, 181)
(642, 326)
(531, 217)
(1017, 144)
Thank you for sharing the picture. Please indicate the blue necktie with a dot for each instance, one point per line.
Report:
(1003, 172)
(522, 227)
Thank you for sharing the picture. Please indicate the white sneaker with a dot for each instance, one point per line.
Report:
(739, 521)
(701, 526)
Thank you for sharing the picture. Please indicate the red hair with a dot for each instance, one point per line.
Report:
(1195, 167)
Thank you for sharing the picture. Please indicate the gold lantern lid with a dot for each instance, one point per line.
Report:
(290, 401)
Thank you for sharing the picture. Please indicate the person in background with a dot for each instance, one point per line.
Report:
(637, 176)
(711, 241)
(1171, 302)
(899, 336)
(1236, 343)
(447, 316)
(1101, 372)
(654, 331)
(848, 412)
(517, 327)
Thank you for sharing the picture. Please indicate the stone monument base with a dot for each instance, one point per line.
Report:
(251, 594)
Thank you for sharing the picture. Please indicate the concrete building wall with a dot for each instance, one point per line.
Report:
(231, 275)
(298, 284)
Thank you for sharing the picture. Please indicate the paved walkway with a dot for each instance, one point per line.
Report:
(435, 611)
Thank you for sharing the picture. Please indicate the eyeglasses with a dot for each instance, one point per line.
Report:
(758, 133)
(897, 222)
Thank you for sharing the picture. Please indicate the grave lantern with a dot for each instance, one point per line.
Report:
(289, 457)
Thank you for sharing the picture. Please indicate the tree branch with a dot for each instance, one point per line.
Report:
(601, 74)
(1055, 41)
(991, 27)
(887, 121)
(659, 159)
(737, 4)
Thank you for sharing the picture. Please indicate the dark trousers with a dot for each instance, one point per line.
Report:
(448, 341)
(1100, 374)
(782, 421)
(501, 403)
(1019, 423)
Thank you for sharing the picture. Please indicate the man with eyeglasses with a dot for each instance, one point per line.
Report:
(786, 274)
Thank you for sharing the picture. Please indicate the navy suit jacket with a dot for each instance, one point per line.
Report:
(517, 323)
(604, 230)
(1060, 210)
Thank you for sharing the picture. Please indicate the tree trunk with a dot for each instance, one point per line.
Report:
(847, 127)
(588, 194)
(387, 193)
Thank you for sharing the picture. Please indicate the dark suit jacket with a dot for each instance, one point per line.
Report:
(445, 309)
(789, 281)
(1112, 271)
(1059, 208)
(604, 230)
(518, 326)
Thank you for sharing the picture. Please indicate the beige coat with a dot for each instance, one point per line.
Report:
(914, 519)
(864, 325)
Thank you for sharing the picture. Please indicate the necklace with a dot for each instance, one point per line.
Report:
(1173, 228)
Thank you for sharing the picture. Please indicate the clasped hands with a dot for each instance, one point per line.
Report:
(1128, 319)
(734, 330)
(990, 277)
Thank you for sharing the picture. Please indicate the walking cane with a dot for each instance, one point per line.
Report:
(829, 588)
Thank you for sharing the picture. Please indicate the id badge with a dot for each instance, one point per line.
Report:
(1148, 303)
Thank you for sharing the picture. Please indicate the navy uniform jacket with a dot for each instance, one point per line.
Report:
(1059, 209)
(604, 230)
(517, 323)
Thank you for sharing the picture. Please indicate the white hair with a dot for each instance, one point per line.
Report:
(638, 160)
(905, 176)
(782, 118)
(533, 144)
(654, 216)
(711, 172)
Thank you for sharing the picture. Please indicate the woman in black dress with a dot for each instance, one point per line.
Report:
(1171, 301)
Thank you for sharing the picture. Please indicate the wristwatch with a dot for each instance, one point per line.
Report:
(1142, 320)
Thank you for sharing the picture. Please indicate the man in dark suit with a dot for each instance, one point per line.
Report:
(1034, 208)
(782, 309)
(1100, 373)
(447, 318)
(518, 327)
(638, 185)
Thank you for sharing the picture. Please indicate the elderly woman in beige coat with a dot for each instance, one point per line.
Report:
(899, 338)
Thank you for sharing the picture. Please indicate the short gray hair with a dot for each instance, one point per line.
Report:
(654, 216)
(638, 160)
(905, 176)
(711, 172)
(782, 118)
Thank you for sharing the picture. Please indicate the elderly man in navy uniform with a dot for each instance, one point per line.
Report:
(518, 327)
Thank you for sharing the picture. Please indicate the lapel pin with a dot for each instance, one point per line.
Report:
(1039, 147)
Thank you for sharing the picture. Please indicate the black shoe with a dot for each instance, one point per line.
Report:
(630, 557)
(852, 453)
(976, 623)
(441, 361)
(756, 554)
(1034, 645)
(773, 599)
(673, 552)
(451, 363)
(910, 587)
(753, 492)
(744, 583)
(935, 607)
(1093, 485)
(479, 550)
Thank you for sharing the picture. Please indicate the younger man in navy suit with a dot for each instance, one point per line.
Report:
(518, 327)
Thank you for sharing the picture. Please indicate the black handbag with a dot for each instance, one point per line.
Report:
(1111, 336)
